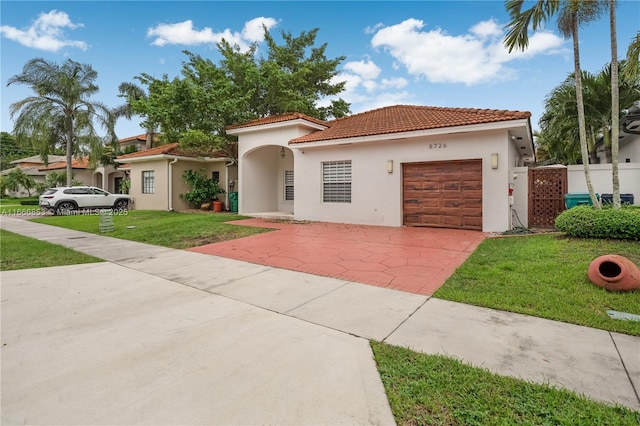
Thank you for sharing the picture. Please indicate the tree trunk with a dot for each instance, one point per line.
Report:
(69, 149)
(615, 106)
(149, 140)
(581, 121)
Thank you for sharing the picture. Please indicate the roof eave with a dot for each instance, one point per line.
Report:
(276, 125)
(142, 159)
(417, 133)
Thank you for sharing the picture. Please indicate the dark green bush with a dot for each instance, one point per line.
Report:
(29, 202)
(588, 222)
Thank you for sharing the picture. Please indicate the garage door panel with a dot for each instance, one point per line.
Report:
(443, 194)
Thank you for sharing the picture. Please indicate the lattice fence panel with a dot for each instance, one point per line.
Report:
(547, 188)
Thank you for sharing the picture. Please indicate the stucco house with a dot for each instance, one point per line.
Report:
(156, 175)
(400, 165)
(31, 167)
(106, 177)
(628, 139)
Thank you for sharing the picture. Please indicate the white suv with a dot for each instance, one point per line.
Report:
(67, 198)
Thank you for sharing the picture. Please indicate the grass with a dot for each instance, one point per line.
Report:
(545, 276)
(167, 229)
(436, 390)
(12, 206)
(19, 252)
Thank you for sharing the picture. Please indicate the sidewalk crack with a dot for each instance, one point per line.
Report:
(635, 391)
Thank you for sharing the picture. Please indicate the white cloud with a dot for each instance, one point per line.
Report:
(394, 83)
(486, 29)
(365, 69)
(253, 30)
(184, 33)
(46, 32)
(475, 57)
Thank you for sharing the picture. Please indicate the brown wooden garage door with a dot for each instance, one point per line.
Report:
(444, 194)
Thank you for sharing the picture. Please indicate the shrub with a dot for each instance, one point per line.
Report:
(588, 222)
(203, 189)
(29, 202)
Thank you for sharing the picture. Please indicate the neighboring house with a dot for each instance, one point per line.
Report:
(628, 140)
(156, 176)
(139, 142)
(30, 166)
(106, 177)
(393, 166)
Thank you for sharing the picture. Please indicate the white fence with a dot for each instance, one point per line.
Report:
(600, 178)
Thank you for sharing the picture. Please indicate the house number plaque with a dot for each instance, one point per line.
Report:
(437, 145)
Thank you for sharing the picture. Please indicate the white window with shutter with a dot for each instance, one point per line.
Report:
(288, 185)
(336, 182)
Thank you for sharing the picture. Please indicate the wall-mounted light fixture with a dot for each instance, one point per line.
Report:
(389, 166)
(282, 153)
(494, 160)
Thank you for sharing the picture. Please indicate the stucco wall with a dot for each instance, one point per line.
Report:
(377, 194)
(158, 200)
(261, 170)
(161, 167)
(629, 174)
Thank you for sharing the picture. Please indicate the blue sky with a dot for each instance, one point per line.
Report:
(437, 53)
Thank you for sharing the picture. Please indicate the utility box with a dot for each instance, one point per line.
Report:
(573, 199)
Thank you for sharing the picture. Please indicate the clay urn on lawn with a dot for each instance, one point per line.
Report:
(614, 273)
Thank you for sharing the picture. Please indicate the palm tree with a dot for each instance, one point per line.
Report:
(132, 92)
(571, 15)
(632, 70)
(615, 106)
(60, 112)
(559, 121)
(17, 179)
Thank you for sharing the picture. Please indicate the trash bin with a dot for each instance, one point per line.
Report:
(233, 200)
(573, 199)
(624, 198)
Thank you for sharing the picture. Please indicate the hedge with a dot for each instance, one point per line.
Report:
(605, 223)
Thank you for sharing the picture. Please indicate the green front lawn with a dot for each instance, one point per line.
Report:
(436, 390)
(167, 229)
(19, 252)
(545, 276)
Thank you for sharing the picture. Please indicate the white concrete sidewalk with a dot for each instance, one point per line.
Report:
(170, 336)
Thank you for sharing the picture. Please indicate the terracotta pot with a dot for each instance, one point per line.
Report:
(217, 206)
(614, 273)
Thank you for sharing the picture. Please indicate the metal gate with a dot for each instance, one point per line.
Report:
(547, 187)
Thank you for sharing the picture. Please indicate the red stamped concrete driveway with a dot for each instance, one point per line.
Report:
(415, 260)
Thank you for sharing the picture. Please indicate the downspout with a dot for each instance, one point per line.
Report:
(226, 190)
(175, 160)
(226, 180)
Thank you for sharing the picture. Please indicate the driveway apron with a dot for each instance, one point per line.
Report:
(415, 260)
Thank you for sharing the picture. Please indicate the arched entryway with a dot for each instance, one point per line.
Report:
(267, 182)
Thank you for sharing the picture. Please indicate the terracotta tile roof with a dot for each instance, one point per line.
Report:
(278, 119)
(76, 163)
(407, 118)
(168, 149)
(142, 138)
(36, 159)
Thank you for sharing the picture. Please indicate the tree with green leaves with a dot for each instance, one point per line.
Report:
(17, 179)
(559, 122)
(615, 106)
(572, 14)
(132, 92)
(9, 150)
(196, 108)
(60, 113)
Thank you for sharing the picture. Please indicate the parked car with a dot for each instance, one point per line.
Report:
(68, 198)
